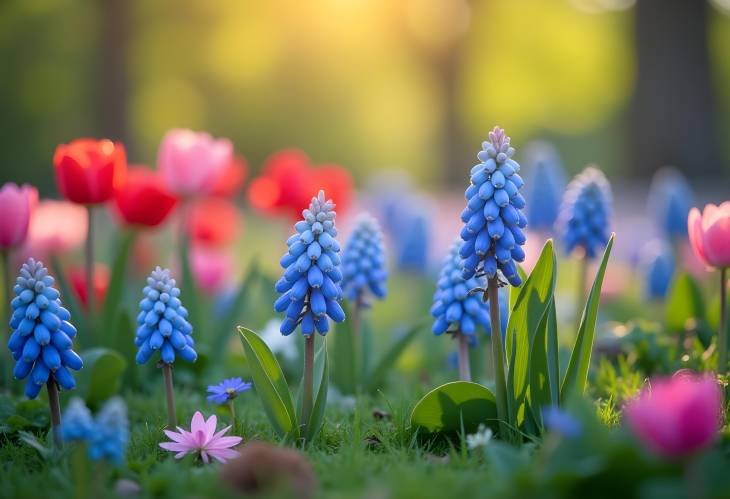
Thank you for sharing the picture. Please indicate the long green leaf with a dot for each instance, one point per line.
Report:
(241, 301)
(539, 394)
(683, 302)
(524, 322)
(101, 376)
(514, 291)
(270, 384)
(321, 384)
(375, 378)
(118, 276)
(345, 368)
(553, 354)
(580, 359)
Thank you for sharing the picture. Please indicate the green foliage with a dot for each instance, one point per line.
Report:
(115, 291)
(387, 361)
(346, 362)
(319, 393)
(28, 415)
(684, 303)
(101, 376)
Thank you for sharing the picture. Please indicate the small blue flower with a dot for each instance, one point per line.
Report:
(493, 218)
(454, 308)
(669, 202)
(77, 423)
(560, 422)
(41, 338)
(162, 321)
(111, 432)
(310, 290)
(363, 261)
(226, 390)
(545, 186)
(412, 242)
(584, 220)
(656, 263)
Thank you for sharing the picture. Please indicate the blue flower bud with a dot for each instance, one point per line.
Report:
(364, 260)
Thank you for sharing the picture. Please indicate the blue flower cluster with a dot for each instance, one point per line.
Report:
(363, 261)
(226, 390)
(106, 435)
(545, 186)
(584, 220)
(669, 202)
(310, 285)
(493, 219)
(453, 307)
(162, 321)
(656, 262)
(42, 335)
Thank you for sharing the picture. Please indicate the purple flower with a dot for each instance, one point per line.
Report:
(227, 389)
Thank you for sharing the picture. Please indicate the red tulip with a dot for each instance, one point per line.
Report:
(77, 277)
(336, 182)
(144, 200)
(16, 206)
(213, 222)
(231, 178)
(88, 170)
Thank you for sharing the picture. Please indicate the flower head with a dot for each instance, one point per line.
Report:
(211, 267)
(677, 416)
(584, 220)
(143, 200)
(191, 163)
(77, 278)
(480, 439)
(493, 219)
(545, 186)
(42, 334)
(309, 287)
(411, 241)
(77, 422)
(363, 261)
(202, 440)
(709, 234)
(226, 390)
(561, 422)
(56, 227)
(213, 222)
(656, 262)
(88, 170)
(16, 205)
(670, 199)
(111, 432)
(231, 178)
(163, 321)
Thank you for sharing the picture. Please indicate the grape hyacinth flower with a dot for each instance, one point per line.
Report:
(105, 436)
(656, 262)
(202, 440)
(670, 199)
(78, 424)
(163, 326)
(493, 237)
(310, 285)
(363, 261)
(42, 336)
(412, 241)
(456, 310)
(545, 185)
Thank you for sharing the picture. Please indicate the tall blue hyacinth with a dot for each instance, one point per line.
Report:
(585, 214)
(670, 199)
(493, 219)
(41, 341)
(162, 321)
(310, 284)
(545, 185)
(363, 261)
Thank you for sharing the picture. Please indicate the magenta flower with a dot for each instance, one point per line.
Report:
(678, 416)
(16, 205)
(202, 440)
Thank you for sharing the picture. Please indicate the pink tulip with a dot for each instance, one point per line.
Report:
(16, 206)
(211, 267)
(56, 227)
(709, 234)
(191, 163)
(678, 416)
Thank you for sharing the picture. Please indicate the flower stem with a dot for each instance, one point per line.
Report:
(357, 343)
(90, 298)
(55, 412)
(464, 367)
(7, 290)
(722, 333)
(498, 356)
(232, 408)
(170, 394)
(79, 465)
(308, 378)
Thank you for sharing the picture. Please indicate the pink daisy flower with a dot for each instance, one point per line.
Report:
(202, 440)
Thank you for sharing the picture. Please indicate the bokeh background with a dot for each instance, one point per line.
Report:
(373, 84)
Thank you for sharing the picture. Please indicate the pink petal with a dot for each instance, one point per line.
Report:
(222, 455)
(176, 447)
(204, 455)
(181, 455)
(220, 433)
(177, 437)
(696, 236)
(224, 442)
(197, 423)
(717, 241)
(210, 427)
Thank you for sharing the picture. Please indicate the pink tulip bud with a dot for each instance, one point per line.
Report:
(709, 234)
(16, 206)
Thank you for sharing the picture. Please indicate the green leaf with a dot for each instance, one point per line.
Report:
(514, 291)
(31, 440)
(580, 359)
(242, 299)
(539, 395)
(270, 384)
(524, 322)
(321, 382)
(101, 376)
(553, 354)
(345, 368)
(375, 378)
(684, 302)
(455, 406)
(115, 290)
(188, 290)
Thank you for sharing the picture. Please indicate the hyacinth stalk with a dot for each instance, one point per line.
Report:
(310, 285)
(493, 239)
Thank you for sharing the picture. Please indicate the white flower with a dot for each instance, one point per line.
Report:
(277, 342)
(479, 439)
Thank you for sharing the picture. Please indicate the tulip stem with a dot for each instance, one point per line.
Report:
(7, 291)
(308, 382)
(722, 333)
(500, 380)
(464, 367)
(90, 298)
(170, 395)
(55, 412)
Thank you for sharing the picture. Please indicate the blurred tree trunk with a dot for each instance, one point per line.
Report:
(673, 113)
(113, 84)
(456, 154)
